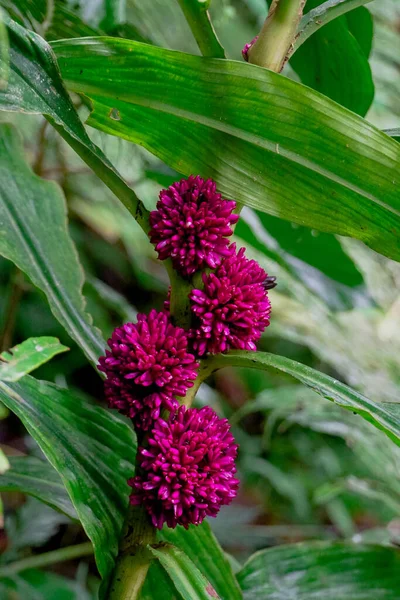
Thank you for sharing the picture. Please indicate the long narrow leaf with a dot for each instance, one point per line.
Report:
(270, 142)
(92, 449)
(323, 571)
(187, 579)
(34, 235)
(37, 478)
(201, 546)
(28, 356)
(384, 415)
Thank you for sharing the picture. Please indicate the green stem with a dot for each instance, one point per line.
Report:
(112, 180)
(48, 558)
(204, 372)
(321, 15)
(277, 35)
(180, 303)
(197, 16)
(134, 559)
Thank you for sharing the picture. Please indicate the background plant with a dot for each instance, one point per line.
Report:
(306, 170)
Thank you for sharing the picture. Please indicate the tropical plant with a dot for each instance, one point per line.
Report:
(231, 146)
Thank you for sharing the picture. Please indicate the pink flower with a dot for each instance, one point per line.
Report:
(191, 224)
(148, 364)
(233, 309)
(187, 470)
(245, 51)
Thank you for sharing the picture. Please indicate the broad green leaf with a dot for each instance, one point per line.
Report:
(92, 449)
(361, 25)
(158, 585)
(322, 571)
(37, 478)
(189, 582)
(201, 546)
(29, 355)
(385, 415)
(269, 142)
(320, 64)
(35, 86)
(34, 235)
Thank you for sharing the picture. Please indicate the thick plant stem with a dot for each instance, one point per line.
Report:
(134, 558)
(199, 22)
(276, 38)
(180, 303)
(204, 372)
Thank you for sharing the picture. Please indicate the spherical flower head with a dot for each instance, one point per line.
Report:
(147, 365)
(245, 51)
(191, 225)
(233, 309)
(187, 470)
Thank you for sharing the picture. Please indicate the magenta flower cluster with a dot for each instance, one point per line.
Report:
(188, 468)
(191, 225)
(232, 310)
(147, 366)
(186, 464)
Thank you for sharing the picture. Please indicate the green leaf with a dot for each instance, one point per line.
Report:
(66, 23)
(361, 25)
(37, 478)
(335, 173)
(320, 250)
(291, 270)
(4, 52)
(40, 585)
(35, 237)
(32, 525)
(201, 546)
(187, 579)
(158, 585)
(92, 449)
(323, 14)
(32, 15)
(35, 86)
(394, 133)
(385, 415)
(114, 14)
(320, 64)
(323, 571)
(29, 355)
